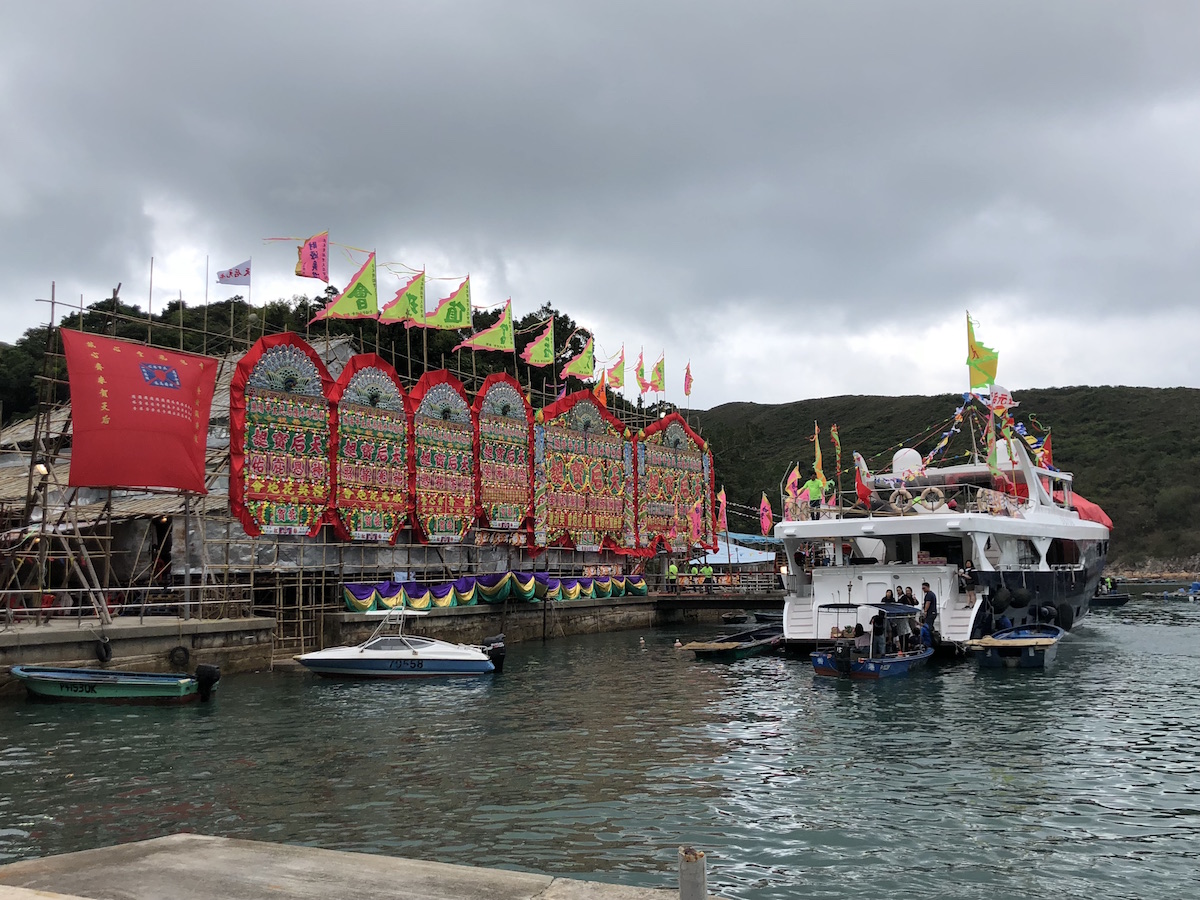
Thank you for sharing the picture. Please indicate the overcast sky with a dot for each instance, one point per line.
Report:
(801, 198)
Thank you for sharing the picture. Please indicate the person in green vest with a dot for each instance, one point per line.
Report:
(707, 571)
(816, 490)
(694, 571)
(672, 578)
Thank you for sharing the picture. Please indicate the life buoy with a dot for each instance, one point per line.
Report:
(103, 650)
(901, 500)
(179, 657)
(1066, 615)
(933, 498)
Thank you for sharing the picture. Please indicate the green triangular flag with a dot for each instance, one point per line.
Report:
(541, 351)
(408, 305)
(360, 299)
(454, 312)
(582, 366)
(495, 337)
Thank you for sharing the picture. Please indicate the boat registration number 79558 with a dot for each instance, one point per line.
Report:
(406, 664)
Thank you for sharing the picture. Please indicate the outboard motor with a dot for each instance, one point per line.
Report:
(206, 679)
(494, 648)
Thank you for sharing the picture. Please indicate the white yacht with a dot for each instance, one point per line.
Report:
(1037, 549)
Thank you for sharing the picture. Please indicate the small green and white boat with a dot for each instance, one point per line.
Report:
(112, 686)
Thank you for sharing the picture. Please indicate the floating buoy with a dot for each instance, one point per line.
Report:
(678, 643)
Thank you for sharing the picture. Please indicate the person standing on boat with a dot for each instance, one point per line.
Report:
(966, 578)
(816, 491)
(929, 606)
(672, 578)
(879, 633)
(707, 571)
(908, 597)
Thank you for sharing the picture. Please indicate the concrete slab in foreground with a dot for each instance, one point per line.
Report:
(197, 867)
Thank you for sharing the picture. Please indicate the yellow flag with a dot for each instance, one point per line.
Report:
(981, 360)
(360, 299)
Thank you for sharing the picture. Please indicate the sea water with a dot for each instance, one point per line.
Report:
(596, 757)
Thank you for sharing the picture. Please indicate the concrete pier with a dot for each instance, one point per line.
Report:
(197, 867)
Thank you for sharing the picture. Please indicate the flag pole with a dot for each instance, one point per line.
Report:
(150, 301)
(204, 340)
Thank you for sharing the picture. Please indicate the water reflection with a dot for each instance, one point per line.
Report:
(596, 758)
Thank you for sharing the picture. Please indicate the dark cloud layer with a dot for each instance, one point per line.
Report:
(779, 191)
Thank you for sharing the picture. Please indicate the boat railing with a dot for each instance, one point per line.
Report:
(903, 500)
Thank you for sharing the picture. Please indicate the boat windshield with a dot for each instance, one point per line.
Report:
(398, 642)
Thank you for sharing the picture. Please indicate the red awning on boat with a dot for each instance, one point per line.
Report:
(1088, 510)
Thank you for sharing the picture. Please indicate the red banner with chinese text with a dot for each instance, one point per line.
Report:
(140, 413)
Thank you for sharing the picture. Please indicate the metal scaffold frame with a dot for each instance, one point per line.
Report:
(97, 553)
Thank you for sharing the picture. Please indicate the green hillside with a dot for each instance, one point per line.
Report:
(1131, 450)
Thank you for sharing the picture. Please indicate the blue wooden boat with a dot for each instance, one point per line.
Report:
(1032, 646)
(844, 661)
(113, 686)
(854, 658)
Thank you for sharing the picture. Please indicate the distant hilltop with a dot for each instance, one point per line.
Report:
(1132, 450)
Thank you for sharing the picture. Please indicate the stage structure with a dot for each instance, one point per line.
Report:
(326, 467)
(675, 487)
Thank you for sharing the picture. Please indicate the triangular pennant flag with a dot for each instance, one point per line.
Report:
(313, 257)
(616, 375)
(540, 351)
(601, 392)
(496, 337)
(408, 305)
(1046, 457)
(860, 485)
(981, 360)
(639, 373)
(791, 486)
(658, 378)
(453, 312)
(722, 523)
(766, 518)
(360, 299)
(687, 379)
(582, 366)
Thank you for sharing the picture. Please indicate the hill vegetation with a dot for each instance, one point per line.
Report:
(1130, 449)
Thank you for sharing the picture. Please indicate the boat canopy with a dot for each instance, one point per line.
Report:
(895, 609)
(729, 553)
(1091, 512)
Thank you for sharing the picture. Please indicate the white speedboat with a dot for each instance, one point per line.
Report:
(401, 655)
(1038, 550)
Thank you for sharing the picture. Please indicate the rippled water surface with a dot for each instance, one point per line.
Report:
(594, 758)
